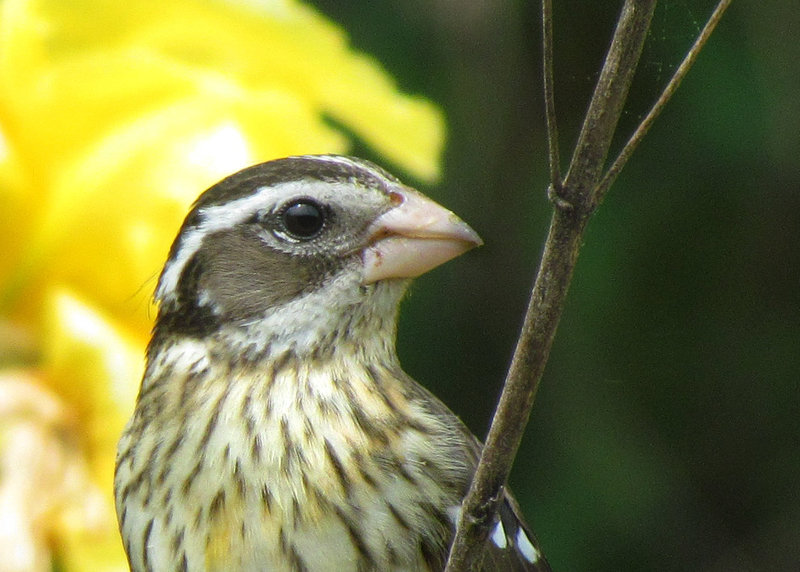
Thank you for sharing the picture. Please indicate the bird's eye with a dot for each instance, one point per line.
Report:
(303, 219)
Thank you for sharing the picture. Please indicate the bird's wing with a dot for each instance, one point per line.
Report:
(511, 544)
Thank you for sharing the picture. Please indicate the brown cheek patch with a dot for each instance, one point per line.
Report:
(244, 277)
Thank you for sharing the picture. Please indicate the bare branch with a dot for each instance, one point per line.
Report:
(550, 289)
(575, 199)
(549, 96)
(661, 103)
(607, 102)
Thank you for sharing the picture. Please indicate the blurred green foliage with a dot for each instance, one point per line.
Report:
(666, 434)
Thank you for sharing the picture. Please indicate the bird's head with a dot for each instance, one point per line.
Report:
(300, 251)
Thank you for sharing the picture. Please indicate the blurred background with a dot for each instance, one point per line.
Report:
(666, 432)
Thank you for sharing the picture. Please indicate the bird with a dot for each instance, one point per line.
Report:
(274, 427)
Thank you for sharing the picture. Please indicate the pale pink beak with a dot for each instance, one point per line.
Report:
(414, 237)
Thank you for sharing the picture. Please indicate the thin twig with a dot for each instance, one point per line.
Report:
(575, 199)
(661, 103)
(608, 99)
(549, 96)
(549, 291)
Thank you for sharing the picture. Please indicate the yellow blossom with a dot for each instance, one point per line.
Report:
(113, 117)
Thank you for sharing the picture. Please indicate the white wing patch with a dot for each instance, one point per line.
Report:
(501, 540)
(526, 547)
(499, 535)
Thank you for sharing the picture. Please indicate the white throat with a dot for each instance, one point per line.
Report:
(343, 312)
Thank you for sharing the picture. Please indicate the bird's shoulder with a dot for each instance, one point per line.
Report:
(511, 544)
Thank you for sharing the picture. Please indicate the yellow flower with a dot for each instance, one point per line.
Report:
(113, 117)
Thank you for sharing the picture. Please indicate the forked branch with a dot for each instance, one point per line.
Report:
(575, 198)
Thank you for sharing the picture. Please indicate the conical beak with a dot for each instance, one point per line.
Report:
(414, 237)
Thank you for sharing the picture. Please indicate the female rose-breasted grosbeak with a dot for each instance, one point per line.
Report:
(275, 428)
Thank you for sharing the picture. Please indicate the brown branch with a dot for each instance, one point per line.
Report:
(549, 96)
(550, 289)
(574, 200)
(661, 103)
(606, 106)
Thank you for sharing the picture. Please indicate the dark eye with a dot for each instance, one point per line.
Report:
(303, 219)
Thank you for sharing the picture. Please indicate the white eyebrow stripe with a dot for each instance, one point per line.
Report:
(526, 547)
(344, 161)
(215, 218)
